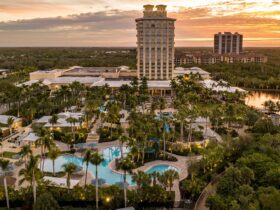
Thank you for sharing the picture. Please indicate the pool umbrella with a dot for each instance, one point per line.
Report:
(121, 185)
(100, 181)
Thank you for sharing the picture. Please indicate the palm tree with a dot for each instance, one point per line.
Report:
(42, 132)
(192, 114)
(162, 104)
(72, 122)
(46, 143)
(53, 121)
(205, 113)
(4, 166)
(165, 122)
(126, 164)
(31, 173)
(25, 152)
(154, 176)
(123, 139)
(67, 139)
(96, 159)
(1, 145)
(181, 116)
(168, 177)
(142, 179)
(53, 155)
(113, 115)
(10, 122)
(86, 159)
(69, 169)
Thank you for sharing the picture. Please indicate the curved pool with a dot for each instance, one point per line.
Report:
(104, 171)
(161, 168)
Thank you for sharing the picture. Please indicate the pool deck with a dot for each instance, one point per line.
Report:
(182, 164)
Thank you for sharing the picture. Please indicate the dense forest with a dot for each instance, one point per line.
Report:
(48, 58)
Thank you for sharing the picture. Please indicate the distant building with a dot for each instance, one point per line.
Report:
(155, 44)
(122, 72)
(228, 43)
(212, 58)
(113, 77)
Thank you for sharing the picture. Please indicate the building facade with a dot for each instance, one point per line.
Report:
(155, 44)
(206, 59)
(228, 43)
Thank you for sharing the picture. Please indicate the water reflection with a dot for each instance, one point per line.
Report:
(257, 98)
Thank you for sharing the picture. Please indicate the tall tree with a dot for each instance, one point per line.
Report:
(53, 121)
(25, 152)
(126, 164)
(72, 122)
(32, 174)
(4, 164)
(86, 159)
(69, 169)
(53, 155)
(142, 179)
(96, 159)
(10, 122)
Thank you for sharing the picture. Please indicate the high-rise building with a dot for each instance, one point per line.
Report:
(228, 43)
(155, 44)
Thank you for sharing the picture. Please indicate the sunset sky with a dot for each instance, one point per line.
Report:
(111, 22)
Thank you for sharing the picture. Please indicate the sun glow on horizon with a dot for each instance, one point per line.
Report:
(79, 21)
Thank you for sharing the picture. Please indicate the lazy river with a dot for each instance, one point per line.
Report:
(104, 171)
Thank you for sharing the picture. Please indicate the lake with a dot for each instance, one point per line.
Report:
(257, 98)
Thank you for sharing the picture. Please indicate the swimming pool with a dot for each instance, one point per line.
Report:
(104, 171)
(161, 168)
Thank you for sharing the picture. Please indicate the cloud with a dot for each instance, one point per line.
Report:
(194, 26)
(113, 19)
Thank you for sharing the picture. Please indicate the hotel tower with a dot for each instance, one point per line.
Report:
(155, 44)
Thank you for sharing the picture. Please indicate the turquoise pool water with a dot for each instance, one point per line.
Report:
(161, 168)
(104, 171)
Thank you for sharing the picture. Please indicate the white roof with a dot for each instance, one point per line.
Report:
(112, 83)
(62, 119)
(4, 118)
(44, 119)
(214, 85)
(61, 182)
(28, 83)
(31, 137)
(119, 83)
(159, 83)
(69, 80)
(192, 70)
(48, 72)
